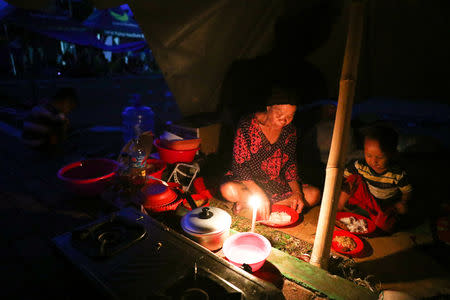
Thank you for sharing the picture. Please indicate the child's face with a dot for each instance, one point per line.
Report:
(375, 158)
(65, 106)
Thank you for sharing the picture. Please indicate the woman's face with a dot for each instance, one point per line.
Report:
(281, 115)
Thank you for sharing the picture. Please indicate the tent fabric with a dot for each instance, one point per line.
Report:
(114, 21)
(196, 43)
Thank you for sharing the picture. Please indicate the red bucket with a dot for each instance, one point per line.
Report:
(88, 177)
(175, 156)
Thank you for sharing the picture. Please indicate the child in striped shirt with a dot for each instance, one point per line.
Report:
(47, 124)
(375, 183)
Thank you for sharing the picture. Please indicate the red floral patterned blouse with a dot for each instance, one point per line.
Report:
(271, 166)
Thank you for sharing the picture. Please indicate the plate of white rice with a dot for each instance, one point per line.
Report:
(281, 216)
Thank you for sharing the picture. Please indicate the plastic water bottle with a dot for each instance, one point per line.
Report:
(137, 115)
(138, 159)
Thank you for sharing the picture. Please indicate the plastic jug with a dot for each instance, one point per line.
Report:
(137, 117)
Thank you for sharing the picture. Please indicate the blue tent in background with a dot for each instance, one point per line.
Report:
(114, 21)
(5, 9)
(60, 27)
(57, 27)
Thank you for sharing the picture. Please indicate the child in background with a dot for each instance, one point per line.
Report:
(376, 183)
(47, 124)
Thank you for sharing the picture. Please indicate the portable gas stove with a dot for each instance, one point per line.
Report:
(130, 255)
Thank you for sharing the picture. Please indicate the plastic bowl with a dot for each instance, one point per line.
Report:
(175, 156)
(247, 248)
(88, 177)
(186, 144)
(157, 169)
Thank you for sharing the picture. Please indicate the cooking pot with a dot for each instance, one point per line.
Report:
(208, 226)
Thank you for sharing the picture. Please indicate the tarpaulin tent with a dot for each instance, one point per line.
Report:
(114, 21)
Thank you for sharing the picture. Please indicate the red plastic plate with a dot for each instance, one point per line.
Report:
(286, 209)
(371, 227)
(359, 244)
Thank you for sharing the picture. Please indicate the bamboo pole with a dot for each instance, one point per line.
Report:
(336, 160)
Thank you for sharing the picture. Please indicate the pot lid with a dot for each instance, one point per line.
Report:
(206, 220)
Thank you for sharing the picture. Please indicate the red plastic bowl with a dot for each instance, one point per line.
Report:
(88, 177)
(158, 194)
(371, 227)
(175, 156)
(353, 253)
(247, 248)
(157, 170)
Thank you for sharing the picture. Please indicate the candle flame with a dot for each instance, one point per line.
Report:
(254, 201)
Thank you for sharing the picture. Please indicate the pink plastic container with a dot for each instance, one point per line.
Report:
(88, 177)
(247, 248)
(175, 156)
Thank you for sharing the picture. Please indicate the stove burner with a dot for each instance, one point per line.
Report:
(108, 237)
(111, 237)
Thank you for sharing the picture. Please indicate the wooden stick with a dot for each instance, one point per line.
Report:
(336, 160)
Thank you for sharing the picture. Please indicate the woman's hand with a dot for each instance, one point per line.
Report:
(298, 202)
(297, 199)
(264, 208)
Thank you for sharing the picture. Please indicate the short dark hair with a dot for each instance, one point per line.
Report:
(280, 96)
(386, 136)
(66, 93)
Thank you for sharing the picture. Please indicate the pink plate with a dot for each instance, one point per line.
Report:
(286, 209)
(371, 227)
(359, 244)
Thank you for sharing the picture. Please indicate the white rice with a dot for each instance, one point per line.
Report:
(279, 217)
(355, 225)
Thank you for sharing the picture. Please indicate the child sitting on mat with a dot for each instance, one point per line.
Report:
(376, 183)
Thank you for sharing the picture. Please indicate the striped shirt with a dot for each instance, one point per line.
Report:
(388, 186)
(43, 122)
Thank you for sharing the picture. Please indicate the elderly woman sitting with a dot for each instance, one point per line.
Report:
(264, 159)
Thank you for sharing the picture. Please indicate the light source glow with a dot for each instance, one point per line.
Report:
(254, 201)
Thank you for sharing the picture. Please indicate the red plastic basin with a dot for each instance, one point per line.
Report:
(247, 248)
(88, 177)
(155, 168)
(175, 156)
